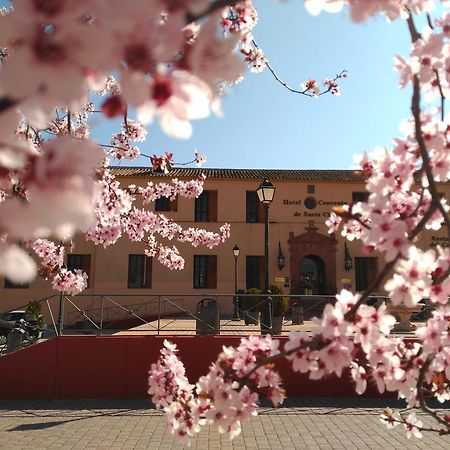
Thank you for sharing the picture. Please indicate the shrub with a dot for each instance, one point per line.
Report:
(34, 308)
(250, 301)
(280, 303)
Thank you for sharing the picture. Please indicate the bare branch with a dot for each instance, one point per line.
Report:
(422, 402)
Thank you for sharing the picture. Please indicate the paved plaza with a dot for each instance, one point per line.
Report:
(320, 423)
(187, 327)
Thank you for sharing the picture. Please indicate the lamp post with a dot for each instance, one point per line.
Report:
(266, 191)
(236, 298)
(348, 261)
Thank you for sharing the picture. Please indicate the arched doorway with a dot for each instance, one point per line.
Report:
(312, 276)
(316, 253)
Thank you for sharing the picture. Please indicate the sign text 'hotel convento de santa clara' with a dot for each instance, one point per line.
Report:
(310, 203)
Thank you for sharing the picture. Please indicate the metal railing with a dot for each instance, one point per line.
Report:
(172, 314)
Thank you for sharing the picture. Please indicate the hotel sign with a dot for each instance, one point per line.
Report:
(319, 202)
(443, 241)
(310, 203)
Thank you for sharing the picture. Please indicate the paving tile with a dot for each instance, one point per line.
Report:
(316, 423)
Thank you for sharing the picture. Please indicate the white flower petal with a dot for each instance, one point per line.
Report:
(16, 264)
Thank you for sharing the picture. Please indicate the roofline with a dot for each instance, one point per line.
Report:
(352, 175)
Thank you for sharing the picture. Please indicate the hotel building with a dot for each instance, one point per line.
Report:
(303, 257)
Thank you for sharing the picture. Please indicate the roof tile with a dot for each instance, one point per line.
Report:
(253, 174)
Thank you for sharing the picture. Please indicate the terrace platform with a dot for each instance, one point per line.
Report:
(187, 327)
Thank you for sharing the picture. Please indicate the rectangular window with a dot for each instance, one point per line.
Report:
(254, 272)
(366, 272)
(360, 197)
(205, 272)
(139, 272)
(311, 189)
(166, 204)
(80, 262)
(206, 207)
(254, 208)
(11, 285)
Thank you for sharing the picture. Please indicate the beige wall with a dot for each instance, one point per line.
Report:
(109, 267)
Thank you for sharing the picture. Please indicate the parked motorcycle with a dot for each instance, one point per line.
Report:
(32, 331)
(29, 327)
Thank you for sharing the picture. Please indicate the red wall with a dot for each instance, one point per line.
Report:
(117, 366)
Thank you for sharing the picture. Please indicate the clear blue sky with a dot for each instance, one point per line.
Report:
(265, 126)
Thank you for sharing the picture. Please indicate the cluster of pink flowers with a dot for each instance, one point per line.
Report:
(361, 10)
(68, 282)
(221, 397)
(52, 255)
(121, 142)
(116, 216)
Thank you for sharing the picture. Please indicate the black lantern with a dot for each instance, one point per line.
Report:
(280, 258)
(236, 251)
(348, 261)
(266, 191)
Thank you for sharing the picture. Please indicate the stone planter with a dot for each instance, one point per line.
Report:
(297, 315)
(403, 315)
(277, 324)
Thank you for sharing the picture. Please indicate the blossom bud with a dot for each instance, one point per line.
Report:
(114, 106)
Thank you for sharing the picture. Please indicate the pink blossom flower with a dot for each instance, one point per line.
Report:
(16, 264)
(70, 283)
(175, 99)
(413, 425)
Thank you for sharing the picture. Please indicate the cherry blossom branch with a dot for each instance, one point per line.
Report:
(307, 90)
(69, 122)
(387, 269)
(441, 93)
(415, 107)
(415, 35)
(313, 344)
(422, 402)
(391, 420)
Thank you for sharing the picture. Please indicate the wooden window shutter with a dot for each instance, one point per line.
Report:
(372, 270)
(261, 272)
(86, 264)
(173, 204)
(212, 272)
(86, 267)
(212, 206)
(261, 211)
(148, 272)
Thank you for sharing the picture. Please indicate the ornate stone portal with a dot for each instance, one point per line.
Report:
(317, 247)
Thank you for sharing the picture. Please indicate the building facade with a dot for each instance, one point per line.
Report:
(303, 257)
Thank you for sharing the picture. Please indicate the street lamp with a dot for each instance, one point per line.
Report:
(236, 298)
(266, 191)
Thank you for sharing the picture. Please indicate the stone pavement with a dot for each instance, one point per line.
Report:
(315, 423)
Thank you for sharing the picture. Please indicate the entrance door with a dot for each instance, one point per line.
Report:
(312, 276)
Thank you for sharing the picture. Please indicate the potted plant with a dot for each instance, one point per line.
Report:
(34, 312)
(280, 305)
(250, 306)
